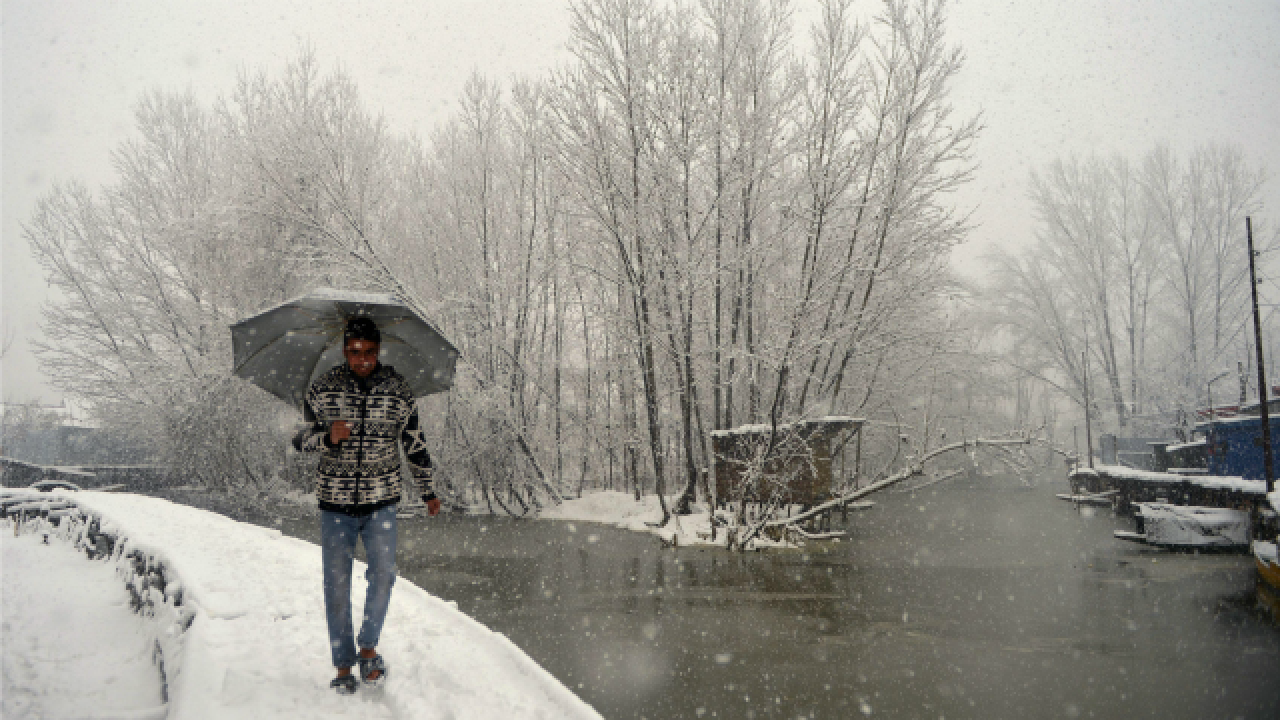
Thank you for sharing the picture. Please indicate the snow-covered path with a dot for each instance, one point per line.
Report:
(71, 646)
(238, 614)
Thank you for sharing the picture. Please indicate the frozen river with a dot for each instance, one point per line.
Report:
(981, 600)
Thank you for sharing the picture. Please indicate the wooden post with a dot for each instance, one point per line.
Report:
(1268, 461)
(857, 461)
(709, 490)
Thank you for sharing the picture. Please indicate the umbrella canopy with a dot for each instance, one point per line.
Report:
(284, 349)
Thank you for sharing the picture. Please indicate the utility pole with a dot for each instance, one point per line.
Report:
(1244, 380)
(1075, 442)
(1268, 461)
(1088, 426)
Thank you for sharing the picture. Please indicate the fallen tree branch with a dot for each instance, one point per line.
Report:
(934, 481)
(910, 471)
(1045, 443)
(761, 523)
(816, 536)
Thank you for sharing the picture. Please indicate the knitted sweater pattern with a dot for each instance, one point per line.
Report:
(364, 470)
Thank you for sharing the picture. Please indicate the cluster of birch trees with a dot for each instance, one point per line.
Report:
(705, 219)
(1138, 276)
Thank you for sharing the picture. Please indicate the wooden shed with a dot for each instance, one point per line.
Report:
(804, 453)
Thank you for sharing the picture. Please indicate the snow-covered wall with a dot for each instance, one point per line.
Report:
(153, 595)
(238, 618)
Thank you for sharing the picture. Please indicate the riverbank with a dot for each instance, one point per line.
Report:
(622, 510)
(236, 611)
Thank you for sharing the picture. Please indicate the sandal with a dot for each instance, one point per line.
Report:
(344, 684)
(368, 666)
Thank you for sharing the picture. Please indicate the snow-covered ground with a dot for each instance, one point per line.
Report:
(72, 647)
(257, 645)
(620, 509)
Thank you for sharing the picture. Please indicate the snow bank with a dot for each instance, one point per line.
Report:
(619, 509)
(239, 612)
(610, 507)
(72, 648)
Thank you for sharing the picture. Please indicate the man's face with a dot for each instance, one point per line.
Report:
(362, 356)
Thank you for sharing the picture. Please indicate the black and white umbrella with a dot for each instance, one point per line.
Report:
(284, 349)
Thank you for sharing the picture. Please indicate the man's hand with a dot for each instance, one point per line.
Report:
(433, 505)
(339, 431)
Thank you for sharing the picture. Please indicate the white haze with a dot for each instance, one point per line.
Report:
(1050, 78)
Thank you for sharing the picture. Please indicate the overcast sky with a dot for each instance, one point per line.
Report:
(1051, 78)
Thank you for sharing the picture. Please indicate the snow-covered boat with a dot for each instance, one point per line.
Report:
(1189, 527)
(1264, 555)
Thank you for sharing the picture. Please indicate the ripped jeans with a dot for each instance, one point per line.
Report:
(338, 534)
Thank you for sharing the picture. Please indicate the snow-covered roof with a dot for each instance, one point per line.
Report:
(761, 428)
(744, 430)
(1217, 482)
(1232, 421)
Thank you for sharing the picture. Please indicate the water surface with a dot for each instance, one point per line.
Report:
(983, 599)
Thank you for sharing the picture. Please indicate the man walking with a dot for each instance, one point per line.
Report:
(360, 413)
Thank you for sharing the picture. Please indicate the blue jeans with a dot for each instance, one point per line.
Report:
(338, 534)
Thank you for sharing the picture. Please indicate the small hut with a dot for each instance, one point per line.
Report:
(808, 449)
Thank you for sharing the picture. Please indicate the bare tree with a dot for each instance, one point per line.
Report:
(1114, 245)
(147, 289)
(689, 226)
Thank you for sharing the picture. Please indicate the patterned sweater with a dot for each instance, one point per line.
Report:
(362, 473)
